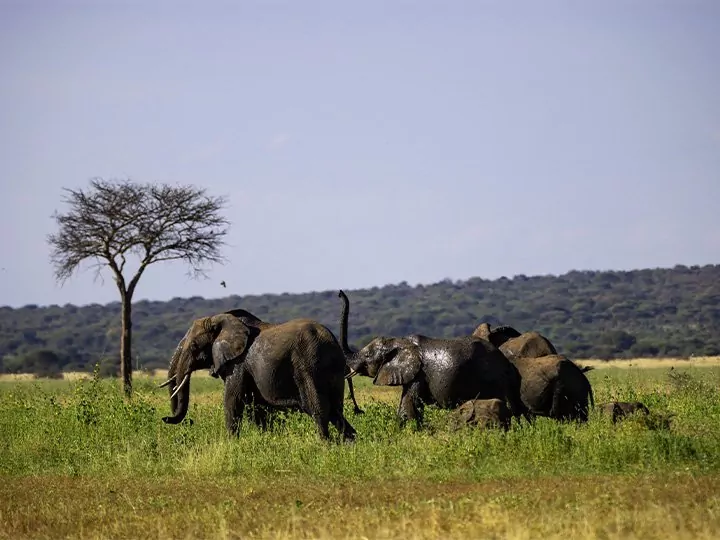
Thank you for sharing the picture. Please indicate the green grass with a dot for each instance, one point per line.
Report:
(83, 437)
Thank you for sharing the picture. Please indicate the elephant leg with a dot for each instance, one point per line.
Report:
(357, 409)
(411, 405)
(235, 398)
(556, 407)
(575, 407)
(316, 405)
(337, 418)
(260, 415)
(561, 409)
(234, 408)
(259, 409)
(581, 410)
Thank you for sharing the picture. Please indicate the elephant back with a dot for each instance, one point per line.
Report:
(528, 345)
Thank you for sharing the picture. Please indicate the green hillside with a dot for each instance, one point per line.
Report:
(654, 312)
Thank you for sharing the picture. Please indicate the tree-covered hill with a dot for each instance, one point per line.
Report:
(654, 312)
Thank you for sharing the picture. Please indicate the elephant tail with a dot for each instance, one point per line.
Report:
(344, 324)
(588, 386)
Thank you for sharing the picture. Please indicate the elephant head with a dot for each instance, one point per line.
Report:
(390, 361)
(211, 342)
(497, 336)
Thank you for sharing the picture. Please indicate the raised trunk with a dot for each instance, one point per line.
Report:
(344, 324)
(126, 344)
(346, 347)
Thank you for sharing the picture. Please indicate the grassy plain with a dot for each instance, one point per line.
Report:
(77, 460)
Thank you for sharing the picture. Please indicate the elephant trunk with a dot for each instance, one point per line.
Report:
(347, 351)
(344, 325)
(179, 398)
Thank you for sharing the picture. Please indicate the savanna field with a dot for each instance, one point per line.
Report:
(78, 460)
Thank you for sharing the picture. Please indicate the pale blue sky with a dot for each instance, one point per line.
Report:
(366, 143)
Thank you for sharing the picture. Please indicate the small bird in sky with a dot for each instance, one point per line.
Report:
(223, 283)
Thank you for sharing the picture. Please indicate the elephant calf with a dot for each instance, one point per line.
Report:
(620, 409)
(484, 413)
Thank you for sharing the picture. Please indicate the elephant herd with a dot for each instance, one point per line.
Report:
(492, 375)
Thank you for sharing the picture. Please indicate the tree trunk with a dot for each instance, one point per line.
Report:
(126, 345)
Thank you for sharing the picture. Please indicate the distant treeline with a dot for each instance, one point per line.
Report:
(641, 313)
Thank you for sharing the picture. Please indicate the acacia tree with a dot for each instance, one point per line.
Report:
(115, 220)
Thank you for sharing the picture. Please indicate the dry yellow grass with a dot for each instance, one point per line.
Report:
(78, 375)
(671, 506)
(653, 363)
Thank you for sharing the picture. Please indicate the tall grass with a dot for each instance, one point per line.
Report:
(87, 428)
(77, 460)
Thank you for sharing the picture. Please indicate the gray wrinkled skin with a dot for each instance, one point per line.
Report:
(551, 384)
(444, 372)
(251, 321)
(295, 365)
(554, 386)
(513, 343)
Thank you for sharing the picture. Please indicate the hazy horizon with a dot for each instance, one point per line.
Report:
(368, 145)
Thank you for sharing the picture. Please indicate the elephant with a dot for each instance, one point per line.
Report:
(498, 335)
(620, 409)
(551, 384)
(512, 343)
(554, 386)
(444, 372)
(251, 320)
(295, 365)
(484, 413)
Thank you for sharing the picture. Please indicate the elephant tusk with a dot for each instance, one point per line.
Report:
(163, 385)
(182, 383)
(351, 374)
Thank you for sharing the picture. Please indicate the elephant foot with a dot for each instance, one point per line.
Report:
(171, 420)
(358, 411)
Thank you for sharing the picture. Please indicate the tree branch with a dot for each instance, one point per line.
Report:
(157, 222)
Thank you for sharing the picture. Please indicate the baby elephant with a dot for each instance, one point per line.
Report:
(484, 413)
(620, 409)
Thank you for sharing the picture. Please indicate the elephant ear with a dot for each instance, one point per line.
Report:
(230, 343)
(482, 331)
(401, 370)
(507, 349)
(502, 334)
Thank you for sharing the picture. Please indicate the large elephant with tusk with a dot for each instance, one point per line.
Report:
(296, 365)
